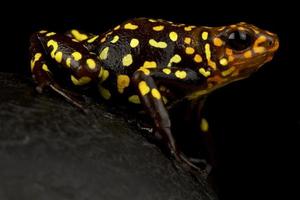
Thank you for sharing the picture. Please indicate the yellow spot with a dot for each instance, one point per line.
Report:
(228, 51)
(207, 51)
(58, 56)
(76, 55)
(248, 54)
(37, 57)
(45, 68)
(260, 40)
(104, 75)
(91, 63)
(156, 44)
(43, 31)
(144, 70)
(228, 71)
(189, 50)
(103, 39)
(68, 62)
(180, 74)
(187, 40)
(224, 61)
(204, 125)
(259, 49)
(155, 93)
(198, 58)
(74, 40)
(105, 93)
(130, 26)
(54, 44)
(79, 36)
(204, 72)
(115, 39)
(134, 99)
(204, 35)
(175, 59)
(134, 42)
(93, 39)
(217, 42)
(144, 88)
(150, 64)
(104, 53)
(127, 60)
(82, 81)
(230, 58)
(166, 71)
(173, 36)
(188, 28)
(158, 28)
(50, 34)
(122, 82)
(212, 64)
(117, 27)
(152, 20)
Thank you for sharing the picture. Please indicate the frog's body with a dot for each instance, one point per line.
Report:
(152, 62)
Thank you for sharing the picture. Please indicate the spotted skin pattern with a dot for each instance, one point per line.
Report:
(149, 62)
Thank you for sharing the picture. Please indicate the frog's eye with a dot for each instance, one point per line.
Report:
(239, 40)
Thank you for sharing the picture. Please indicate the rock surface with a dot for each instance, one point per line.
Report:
(51, 150)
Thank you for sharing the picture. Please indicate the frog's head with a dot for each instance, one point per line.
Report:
(238, 50)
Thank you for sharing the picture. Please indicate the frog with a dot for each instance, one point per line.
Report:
(151, 64)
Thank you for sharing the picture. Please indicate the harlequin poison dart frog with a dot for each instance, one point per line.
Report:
(151, 63)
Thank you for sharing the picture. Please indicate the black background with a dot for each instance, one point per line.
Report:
(254, 119)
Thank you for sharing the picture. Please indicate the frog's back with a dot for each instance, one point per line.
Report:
(144, 42)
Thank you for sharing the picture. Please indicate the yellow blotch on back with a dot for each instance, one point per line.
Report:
(122, 82)
(91, 63)
(197, 58)
(158, 28)
(248, 54)
(54, 44)
(104, 53)
(130, 26)
(105, 93)
(134, 42)
(76, 55)
(79, 36)
(104, 75)
(175, 59)
(82, 81)
(204, 35)
(180, 74)
(115, 39)
(127, 60)
(93, 39)
(58, 56)
(189, 50)
(204, 72)
(189, 28)
(149, 64)
(217, 42)
(45, 68)
(50, 34)
(173, 36)
(144, 88)
(155, 93)
(134, 99)
(117, 27)
(167, 71)
(187, 40)
(156, 44)
(223, 61)
(68, 62)
(204, 125)
(36, 57)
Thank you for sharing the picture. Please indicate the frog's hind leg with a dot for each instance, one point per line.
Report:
(66, 54)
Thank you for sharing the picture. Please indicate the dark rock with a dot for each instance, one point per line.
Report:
(51, 150)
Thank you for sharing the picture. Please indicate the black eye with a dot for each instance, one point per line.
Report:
(239, 40)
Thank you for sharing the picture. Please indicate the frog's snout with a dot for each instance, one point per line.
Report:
(271, 42)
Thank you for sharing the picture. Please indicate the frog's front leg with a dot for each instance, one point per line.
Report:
(64, 54)
(151, 98)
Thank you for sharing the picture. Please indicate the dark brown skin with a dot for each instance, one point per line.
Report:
(154, 63)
